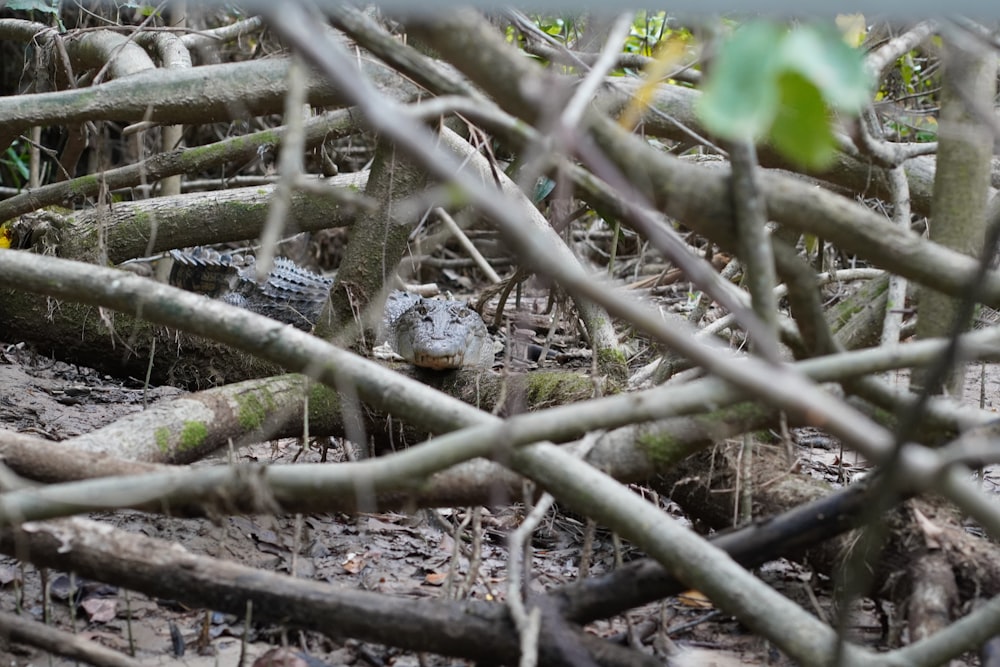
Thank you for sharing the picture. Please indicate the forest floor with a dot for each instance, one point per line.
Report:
(405, 555)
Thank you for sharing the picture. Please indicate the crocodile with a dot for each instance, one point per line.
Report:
(428, 333)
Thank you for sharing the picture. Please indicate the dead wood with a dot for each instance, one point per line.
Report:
(469, 629)
(237, 150)
(44, 461)
(632, 453)
(134, 229)
(185, 429)
(933, 597)
(223, 92)
(789, 534)
(20, 629)
(122, 345)
(703, 486)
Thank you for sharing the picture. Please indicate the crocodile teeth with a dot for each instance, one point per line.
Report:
(439, 363)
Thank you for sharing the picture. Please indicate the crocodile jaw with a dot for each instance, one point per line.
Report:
(438, 362)
(443, 353)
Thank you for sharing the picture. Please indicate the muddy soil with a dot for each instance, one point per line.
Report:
(405, 555)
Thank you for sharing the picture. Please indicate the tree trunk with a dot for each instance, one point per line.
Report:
(961, 186)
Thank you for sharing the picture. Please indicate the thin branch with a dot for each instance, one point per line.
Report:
(467, 245)
(573, 112)
(290, 167)
(22, 630)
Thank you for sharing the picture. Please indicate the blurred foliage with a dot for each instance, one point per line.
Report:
(15, 164)
(648, 30)
(44, 6)
(772, 84)
(909, 96)
(768, 82)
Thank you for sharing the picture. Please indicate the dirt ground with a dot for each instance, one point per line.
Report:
(392, 553)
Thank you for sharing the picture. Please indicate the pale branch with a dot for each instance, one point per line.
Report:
(220, 93)
(753, 237)
(41, 460)
(881, 59)
(86, 48)
(436, 76)
(896, 295)
(238, 150)
(205, 38)
(136, 229)
(168, 48)
(468, 246)
(572, 114)
(290, 165)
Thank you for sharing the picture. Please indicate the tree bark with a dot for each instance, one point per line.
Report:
(961, 187)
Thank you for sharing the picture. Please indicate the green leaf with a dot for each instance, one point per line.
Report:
(820, 55)
(771, 83)
(543, 188)
(18, 162)
(741, 95)
(48, 7)
(801, 129)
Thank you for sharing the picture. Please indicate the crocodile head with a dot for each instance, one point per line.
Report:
(442, 335)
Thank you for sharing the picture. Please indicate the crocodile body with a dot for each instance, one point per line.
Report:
(426, 332)
(288, 294)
